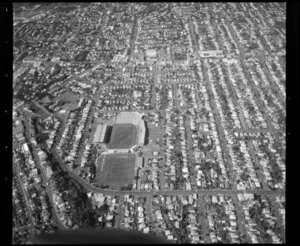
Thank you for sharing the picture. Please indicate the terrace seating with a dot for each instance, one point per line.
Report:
(128, 117)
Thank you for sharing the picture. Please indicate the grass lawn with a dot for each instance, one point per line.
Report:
(123, 136)
(117, 170)
(69, 97)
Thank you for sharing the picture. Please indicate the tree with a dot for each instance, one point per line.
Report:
(136, 178)
(236, 148)
(42, 137)
(244, 176)
(281, 119)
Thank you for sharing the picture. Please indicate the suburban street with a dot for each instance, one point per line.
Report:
(43, 176)
(24, 193)
(261, 106)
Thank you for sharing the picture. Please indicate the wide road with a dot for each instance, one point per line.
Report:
(89, 187)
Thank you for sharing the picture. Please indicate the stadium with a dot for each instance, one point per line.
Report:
(127, 131)
(121, 135)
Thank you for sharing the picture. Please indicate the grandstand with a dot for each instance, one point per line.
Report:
(100, 133)
(141, 132)
(128, 117)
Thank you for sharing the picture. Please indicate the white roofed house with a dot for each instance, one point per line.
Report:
(25, 148)
(151, 54)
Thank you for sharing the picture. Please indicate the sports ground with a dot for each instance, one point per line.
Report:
(116, 170)
(123, 136)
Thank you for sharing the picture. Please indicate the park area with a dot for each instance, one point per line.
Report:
(123, 136)
(115, 170)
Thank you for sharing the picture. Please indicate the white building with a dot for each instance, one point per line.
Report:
(211, 53)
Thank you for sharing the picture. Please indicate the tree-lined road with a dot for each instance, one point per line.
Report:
(24, 193)
(45, 180)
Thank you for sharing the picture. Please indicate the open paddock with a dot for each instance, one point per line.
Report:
(115, 170)
(123, 136)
